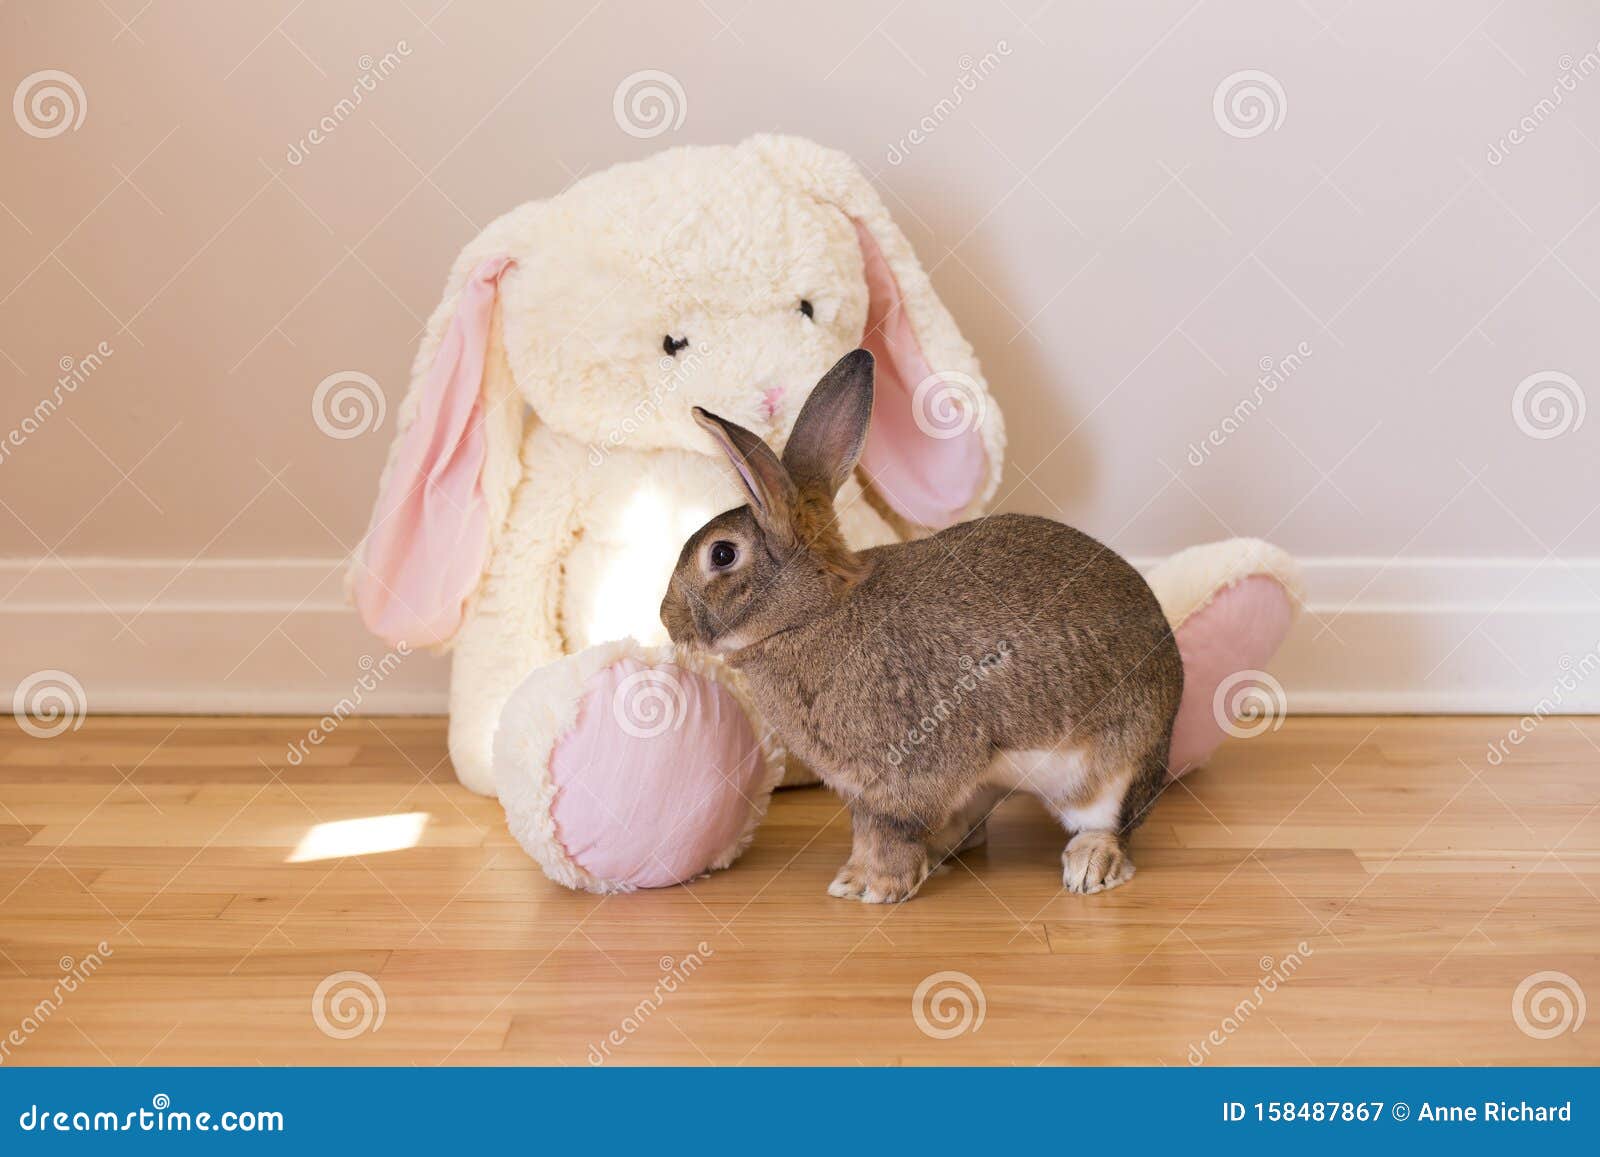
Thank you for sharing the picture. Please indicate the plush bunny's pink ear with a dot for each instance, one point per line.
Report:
(934, 451)
(925, 447)
(428, 544)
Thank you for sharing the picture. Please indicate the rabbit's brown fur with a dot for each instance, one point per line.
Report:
(926, 680)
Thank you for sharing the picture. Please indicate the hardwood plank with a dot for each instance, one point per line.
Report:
(1394, 885)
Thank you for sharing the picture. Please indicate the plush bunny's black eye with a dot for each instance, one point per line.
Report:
(723, 554)
(805, 308)
(673, 344)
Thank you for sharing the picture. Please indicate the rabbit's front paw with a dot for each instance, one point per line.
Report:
(1094, 862)
(874, 885)
(885, 889)
(886, 864)
(849, 883)
(897, 880)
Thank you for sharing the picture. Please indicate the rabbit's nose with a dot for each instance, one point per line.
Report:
(771, 399)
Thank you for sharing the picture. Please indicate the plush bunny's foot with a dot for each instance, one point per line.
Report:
(624, 767)
(1231, 605)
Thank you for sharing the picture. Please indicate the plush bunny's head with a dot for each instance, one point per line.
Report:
(728, 278)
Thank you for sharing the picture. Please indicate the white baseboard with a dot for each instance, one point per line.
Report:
(215, 636)
(1445, 636)
(275, 636)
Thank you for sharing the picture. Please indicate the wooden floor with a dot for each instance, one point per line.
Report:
(1354, 890)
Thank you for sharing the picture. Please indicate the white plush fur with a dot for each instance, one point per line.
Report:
(1189, 580)
(544, 708)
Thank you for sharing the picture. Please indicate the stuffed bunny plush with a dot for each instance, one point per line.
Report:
(547, 468)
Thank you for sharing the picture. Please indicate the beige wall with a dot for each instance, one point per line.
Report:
(1123, 263)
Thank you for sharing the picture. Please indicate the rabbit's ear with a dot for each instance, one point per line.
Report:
(450, 472)
(771, 490)
(935, 447)
(832, 427)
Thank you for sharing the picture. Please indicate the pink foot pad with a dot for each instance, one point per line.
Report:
(660, 778)
(1228, 639)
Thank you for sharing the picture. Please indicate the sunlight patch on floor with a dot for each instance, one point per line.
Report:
(366, 836)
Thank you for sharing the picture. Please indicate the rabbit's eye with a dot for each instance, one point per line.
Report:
(673, 344)
(805, 308)
(723, 554)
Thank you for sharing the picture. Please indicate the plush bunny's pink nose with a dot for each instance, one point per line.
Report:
(771, 399)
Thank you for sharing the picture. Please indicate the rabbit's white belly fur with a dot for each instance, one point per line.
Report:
(1052, 773)
(1063, 779)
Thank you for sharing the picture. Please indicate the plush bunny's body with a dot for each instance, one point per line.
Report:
(547, 467)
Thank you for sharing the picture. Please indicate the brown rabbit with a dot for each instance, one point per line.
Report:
(926, 680)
